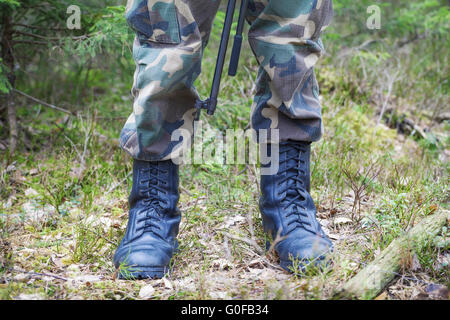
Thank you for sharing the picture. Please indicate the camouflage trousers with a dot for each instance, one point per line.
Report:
(171, 36)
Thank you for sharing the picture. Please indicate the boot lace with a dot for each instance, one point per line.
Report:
(151, 189)
(294, 204)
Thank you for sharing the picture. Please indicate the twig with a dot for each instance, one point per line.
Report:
(185, 190)
(278, 238)
(391, 79)
(101, 236)
(250, 242)
(73, 145)
(45, 104)
(39, 28)
(416, 37)
(42, 102)
(30, 42)
(118, 183)
(40, 274)
(36, 35)
(82, 37)
(88, 133)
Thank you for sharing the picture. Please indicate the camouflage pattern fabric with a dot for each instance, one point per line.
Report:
(170, 38)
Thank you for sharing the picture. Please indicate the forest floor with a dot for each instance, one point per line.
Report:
(64, 209)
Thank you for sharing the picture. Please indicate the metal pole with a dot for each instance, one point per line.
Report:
(234, 61)
(211, 103)
(221, 56)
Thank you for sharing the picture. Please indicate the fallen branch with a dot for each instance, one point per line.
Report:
(48, 39)
(22, 41)
(45, 104)
(40, 274)
(370, 281)
(39, 28)
(42, 102)
(250, 242)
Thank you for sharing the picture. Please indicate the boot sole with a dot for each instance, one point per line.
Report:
(141, 273)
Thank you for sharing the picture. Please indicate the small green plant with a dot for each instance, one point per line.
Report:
(125, 270)
(57, 184)
(88, 243)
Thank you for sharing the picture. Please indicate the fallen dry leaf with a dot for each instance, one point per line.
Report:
(146, 292)
(342, 220)
(167, 283)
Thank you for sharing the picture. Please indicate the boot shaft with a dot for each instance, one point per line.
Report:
(290, 158)
(285, 201)
(156, 181)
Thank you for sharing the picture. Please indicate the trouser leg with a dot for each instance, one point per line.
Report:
(168, 49)
(285, 38)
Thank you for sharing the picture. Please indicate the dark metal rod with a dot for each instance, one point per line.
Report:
(242, 13)
(221, 56)
(234, 60)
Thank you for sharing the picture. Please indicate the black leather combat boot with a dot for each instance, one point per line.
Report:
(150, 238)
(287, 209)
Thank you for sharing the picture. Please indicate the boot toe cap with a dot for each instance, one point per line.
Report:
(307, 249)
(143, 256)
